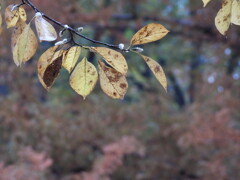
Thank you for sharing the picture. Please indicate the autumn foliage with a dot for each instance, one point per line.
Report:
(191, 132)
(66, 53)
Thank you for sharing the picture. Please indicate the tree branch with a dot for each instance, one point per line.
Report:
(70, 29)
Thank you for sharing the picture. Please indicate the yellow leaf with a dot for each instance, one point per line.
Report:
(22, 14)
(223, 18)
(18, 29)
(149, 33)
(84, 78)
(0, 18)
(49, 65)
(45, 30)
(235, 16)
(11, 16)
(157, 71)
(26, 46)
(113, 58)
(0, 23)
(70, 58)
(205, 2)
(113, 83)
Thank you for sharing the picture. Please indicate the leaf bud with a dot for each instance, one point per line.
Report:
(80, 29)
(66, 26)
(121, 46)
(38, 14)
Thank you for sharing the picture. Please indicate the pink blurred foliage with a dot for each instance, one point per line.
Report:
(112, 159)
(215, 130)
(31, 166)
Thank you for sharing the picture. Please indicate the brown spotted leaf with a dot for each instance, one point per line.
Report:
(22, 14)
(25, 45)
(223, 18)
(157, 71)
(84, 78)
(70, 58)
(229, 13)
(113, 58)
(11, 16)
(49, 65)
(113, 83)
(149, 33)
(235, 16)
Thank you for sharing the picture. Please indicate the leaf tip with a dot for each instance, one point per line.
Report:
(165, 88)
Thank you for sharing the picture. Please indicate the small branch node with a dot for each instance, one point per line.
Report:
(80, 29)
(121, 46)
(38, 14)
(66, 26)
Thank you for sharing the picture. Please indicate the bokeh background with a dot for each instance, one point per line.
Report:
(191, 132)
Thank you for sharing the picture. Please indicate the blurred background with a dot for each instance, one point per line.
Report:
(191, 132)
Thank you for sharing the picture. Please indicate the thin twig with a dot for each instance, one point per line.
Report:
(72, 30)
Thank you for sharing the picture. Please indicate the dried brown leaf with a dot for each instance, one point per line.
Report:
(113, 83)
(49, 65)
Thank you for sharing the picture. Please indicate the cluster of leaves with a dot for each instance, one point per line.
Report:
(66, 53)
(229, 13)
